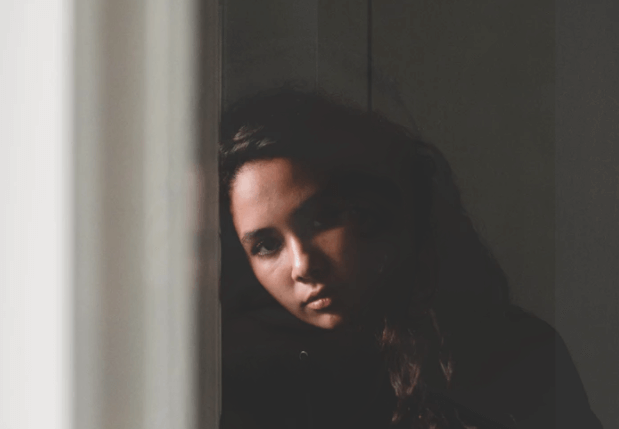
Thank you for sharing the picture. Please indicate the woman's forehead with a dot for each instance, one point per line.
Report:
(271, 190)
(267, 177)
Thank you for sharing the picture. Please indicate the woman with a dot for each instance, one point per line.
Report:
(355, 291)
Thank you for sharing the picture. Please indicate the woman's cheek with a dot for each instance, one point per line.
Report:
(271, 275)
(335, 243)
(348, 249)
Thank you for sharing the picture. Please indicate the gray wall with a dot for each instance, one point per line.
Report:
(478, 79)
(133, 94)
(587, 196)
(517, 95)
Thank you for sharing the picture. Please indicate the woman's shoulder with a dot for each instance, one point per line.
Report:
(518, 366)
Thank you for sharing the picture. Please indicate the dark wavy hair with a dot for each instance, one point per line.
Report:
(455, 275)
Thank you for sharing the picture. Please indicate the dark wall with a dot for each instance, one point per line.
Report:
(478, 79)
(587, 195)
(519, 95)
(311, 42)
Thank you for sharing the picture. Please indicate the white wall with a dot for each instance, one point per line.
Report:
(36, 237)
(98, 300)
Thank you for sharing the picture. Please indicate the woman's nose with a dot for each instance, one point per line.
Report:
(309, 264)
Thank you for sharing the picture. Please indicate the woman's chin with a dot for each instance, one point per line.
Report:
(327, 321)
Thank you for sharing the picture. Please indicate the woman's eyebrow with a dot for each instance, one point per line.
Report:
(308, 204)
(256, 234)
(307, 208)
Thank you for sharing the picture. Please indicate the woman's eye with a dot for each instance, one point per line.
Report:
(355, 214)
(364, 218)
(327, 219)
(266, 247)
(317, 224)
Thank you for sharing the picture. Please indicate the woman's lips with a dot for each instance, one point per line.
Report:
(320, 303)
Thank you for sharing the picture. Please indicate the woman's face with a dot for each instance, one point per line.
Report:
(318, 251)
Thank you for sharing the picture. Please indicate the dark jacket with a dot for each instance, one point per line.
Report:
(513, 372)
